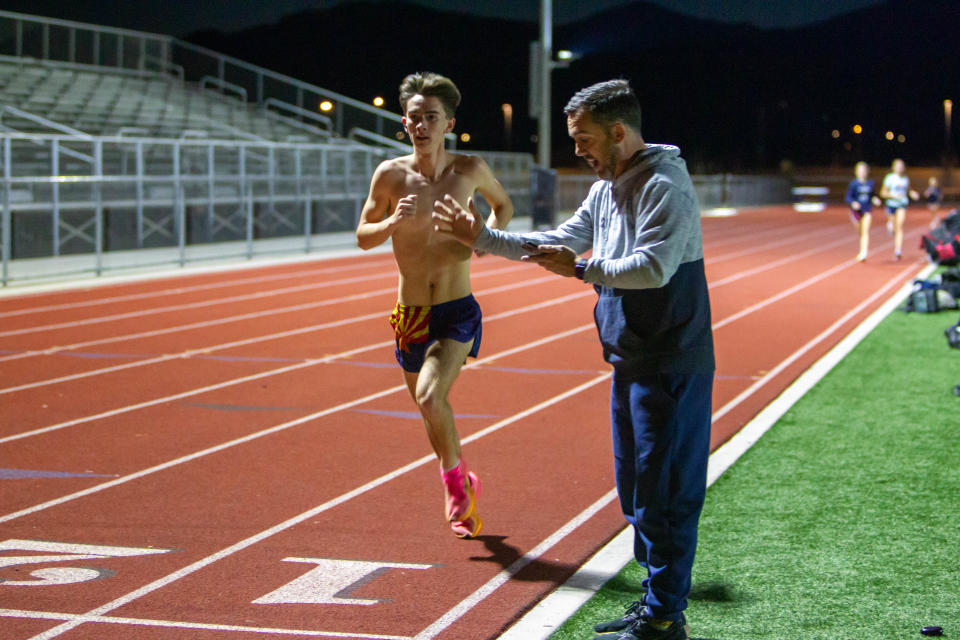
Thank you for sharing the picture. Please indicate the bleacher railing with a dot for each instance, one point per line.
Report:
(142, 193)
(713, 191)
(82, 199)
(50, 39)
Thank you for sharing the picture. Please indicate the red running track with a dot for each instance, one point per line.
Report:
(233, 455)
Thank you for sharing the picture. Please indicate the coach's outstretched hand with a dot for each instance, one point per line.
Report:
(451, 218)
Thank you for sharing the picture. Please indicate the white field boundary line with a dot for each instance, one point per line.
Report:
(172, 291)
(259, 295)
(349, 404)
(198, 626)
(307, 515)
(541, 621)
(256, 339)
(279, 371)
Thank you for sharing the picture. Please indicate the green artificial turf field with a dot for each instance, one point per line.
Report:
(843, 522)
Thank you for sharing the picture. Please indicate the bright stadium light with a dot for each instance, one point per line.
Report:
(888, 135)
(326, 105)
(378, 101)
(857, 129)
(564, 54)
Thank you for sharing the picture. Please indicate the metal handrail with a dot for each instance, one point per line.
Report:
(223, 84)
(166, 65)
(82, 25)
(300, 111)
(285, 79)
(358, 133)
(52, 124)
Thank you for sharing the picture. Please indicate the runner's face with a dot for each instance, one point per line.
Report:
(899, 167)
(862, 172)
(593, 142)
(426, 122)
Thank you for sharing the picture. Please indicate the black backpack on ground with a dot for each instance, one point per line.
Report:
(939, 293)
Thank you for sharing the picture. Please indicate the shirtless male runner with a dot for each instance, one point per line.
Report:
(436, 320)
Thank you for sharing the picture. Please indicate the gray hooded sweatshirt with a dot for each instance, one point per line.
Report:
(653, 310)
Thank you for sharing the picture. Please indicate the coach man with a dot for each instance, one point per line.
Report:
(642, 221)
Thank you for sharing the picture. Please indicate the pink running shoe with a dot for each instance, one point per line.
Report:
(462, 488)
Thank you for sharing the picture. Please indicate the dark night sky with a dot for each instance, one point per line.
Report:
(180, 17)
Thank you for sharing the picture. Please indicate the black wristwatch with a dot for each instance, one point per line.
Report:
(579, 267)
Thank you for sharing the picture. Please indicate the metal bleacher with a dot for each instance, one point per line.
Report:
(124, 149)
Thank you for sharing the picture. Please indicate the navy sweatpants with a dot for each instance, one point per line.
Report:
(661, 442)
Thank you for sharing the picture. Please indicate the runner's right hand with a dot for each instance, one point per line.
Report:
(406, 210)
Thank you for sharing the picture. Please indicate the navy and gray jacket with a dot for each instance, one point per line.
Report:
(653, 310)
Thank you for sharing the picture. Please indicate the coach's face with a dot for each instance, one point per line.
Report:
(595, 143)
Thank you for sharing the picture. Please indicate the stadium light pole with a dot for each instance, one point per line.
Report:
(947, 142)
(545, 67)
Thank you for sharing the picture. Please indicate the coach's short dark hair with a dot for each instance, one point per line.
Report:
(607, 102)
(426, 83)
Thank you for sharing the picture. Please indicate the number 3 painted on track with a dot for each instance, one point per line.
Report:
(68, 552)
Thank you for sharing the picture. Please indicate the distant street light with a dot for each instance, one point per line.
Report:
(857, 129)
(464, 137)
(507, 109)
(326, 105)
(947, 117)
(947, 142)
(901, 138)
(378, 101)
(835, 134)
(889, 135)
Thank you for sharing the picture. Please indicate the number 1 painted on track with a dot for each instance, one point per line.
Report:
(68, 552)
(333, 581)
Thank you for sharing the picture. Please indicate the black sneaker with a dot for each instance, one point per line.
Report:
(642, 629)
(630, 617)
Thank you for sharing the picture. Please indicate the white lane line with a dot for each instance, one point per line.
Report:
(306, 515)
(790, 259)
(760, 247)
(236, 318)
(465, 605)
(199, 626)
(735, 230)
(199, 325)
(276, 428)
(259, 295)
(146, 295)
(785, 293)
(254, 340)
(273, 372)
(545, 618)
(826, 333)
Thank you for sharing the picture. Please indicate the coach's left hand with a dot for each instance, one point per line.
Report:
(554, 257)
